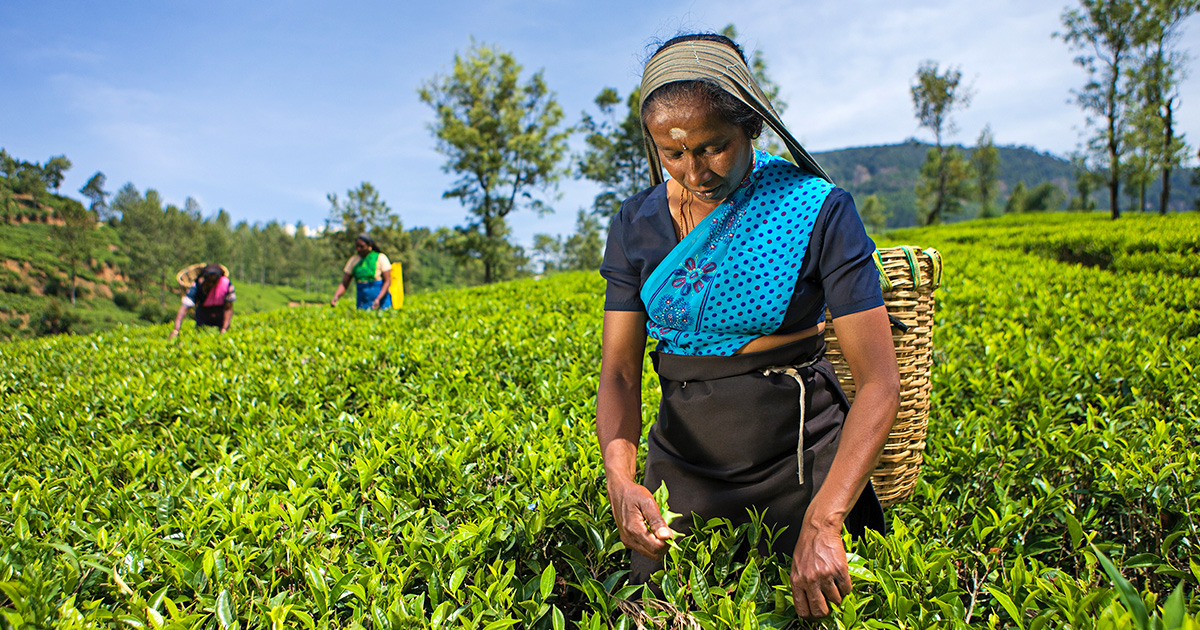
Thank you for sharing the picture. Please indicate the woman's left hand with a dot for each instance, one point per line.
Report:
(375, 305)
(820, 574)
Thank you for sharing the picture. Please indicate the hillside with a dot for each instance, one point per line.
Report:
(890, 171)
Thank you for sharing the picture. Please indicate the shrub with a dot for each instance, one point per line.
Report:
(126, 300)
(154, 313)
(54, 319)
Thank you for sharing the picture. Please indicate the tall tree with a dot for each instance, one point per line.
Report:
(1104, 32)
(985, 160)
(364, 210)
(94, 191)
(144, 233)
(1156, 77)
(502, 138)
(935, 96)
(615, 156)
(75, 237)
(55, 171)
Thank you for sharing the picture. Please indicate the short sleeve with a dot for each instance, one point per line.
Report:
(189, 298)
(624, 282)
(382, 264)
(230, 295)
(848, 273)
(350, 265)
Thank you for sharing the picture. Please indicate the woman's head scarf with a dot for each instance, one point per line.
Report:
(701, 59)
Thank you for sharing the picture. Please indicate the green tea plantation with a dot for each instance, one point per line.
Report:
(436, 467)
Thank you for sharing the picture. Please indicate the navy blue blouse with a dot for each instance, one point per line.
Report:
(837, 266)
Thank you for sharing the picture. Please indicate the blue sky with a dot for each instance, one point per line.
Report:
(262, 108)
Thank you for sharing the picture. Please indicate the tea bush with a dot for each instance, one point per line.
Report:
(436, 467)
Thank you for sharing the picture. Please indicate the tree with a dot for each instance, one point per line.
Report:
(55, 170)
(94, 191)
(935, 96)
(502, 138)
(1086, 181)
(1155, 80)
(144, 233)
(615, 156)
(1045, 197)
(1016, 199)
(584, 250)
(874, 213)
(364, 211)
(985, 160)
(1104, 31)
(75, 237)
(943, 184)
(547, 250)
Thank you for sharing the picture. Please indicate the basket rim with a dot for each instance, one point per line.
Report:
(182, 273)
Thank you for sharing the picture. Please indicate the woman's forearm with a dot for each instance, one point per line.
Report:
(619, 427)
(864, 435)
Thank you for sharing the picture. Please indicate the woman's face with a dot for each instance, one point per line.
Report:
(362, 248)
(701, 151)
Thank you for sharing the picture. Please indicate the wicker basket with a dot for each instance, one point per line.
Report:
(187, 276)
(908, 277)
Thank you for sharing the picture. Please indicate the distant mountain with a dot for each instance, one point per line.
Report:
(890, 171)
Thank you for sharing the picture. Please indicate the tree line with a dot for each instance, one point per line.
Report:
(1130, 49)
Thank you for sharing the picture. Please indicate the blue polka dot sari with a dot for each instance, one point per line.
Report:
(729, 281)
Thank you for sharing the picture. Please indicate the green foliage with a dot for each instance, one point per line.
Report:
(437, 467)
(364, 211)
(944, 185)
(985, 163)
(1104, 32)
(501, 137)
(874, 213)
(615, 157)
(935, 95)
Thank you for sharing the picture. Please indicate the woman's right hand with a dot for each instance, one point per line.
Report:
(638, 519)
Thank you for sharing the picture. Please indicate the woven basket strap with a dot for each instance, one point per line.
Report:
(936, 257)
(885, 283)
(914, 266)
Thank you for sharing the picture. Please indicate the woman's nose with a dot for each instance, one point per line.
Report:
(695, 171)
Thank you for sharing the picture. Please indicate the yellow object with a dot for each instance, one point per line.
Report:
(397, 288)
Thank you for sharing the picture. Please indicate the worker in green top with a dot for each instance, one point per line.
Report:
(372, 271)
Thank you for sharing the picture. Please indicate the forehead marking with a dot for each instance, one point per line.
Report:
(678, 134)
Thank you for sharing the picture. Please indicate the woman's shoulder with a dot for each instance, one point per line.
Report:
(646, 203)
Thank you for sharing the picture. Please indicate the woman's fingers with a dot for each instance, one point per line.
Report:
(820, 575)
(642, 527)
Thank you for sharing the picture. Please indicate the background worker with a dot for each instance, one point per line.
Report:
(212, 295)
(372, 271)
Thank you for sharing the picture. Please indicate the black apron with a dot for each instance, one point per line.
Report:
(727, 435)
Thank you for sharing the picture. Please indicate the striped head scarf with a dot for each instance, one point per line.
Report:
(700, 59)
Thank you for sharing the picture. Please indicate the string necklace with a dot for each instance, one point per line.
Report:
(688, 221)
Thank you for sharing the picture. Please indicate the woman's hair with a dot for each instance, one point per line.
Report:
(369, 241)
(212, 269)
(709, 93)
